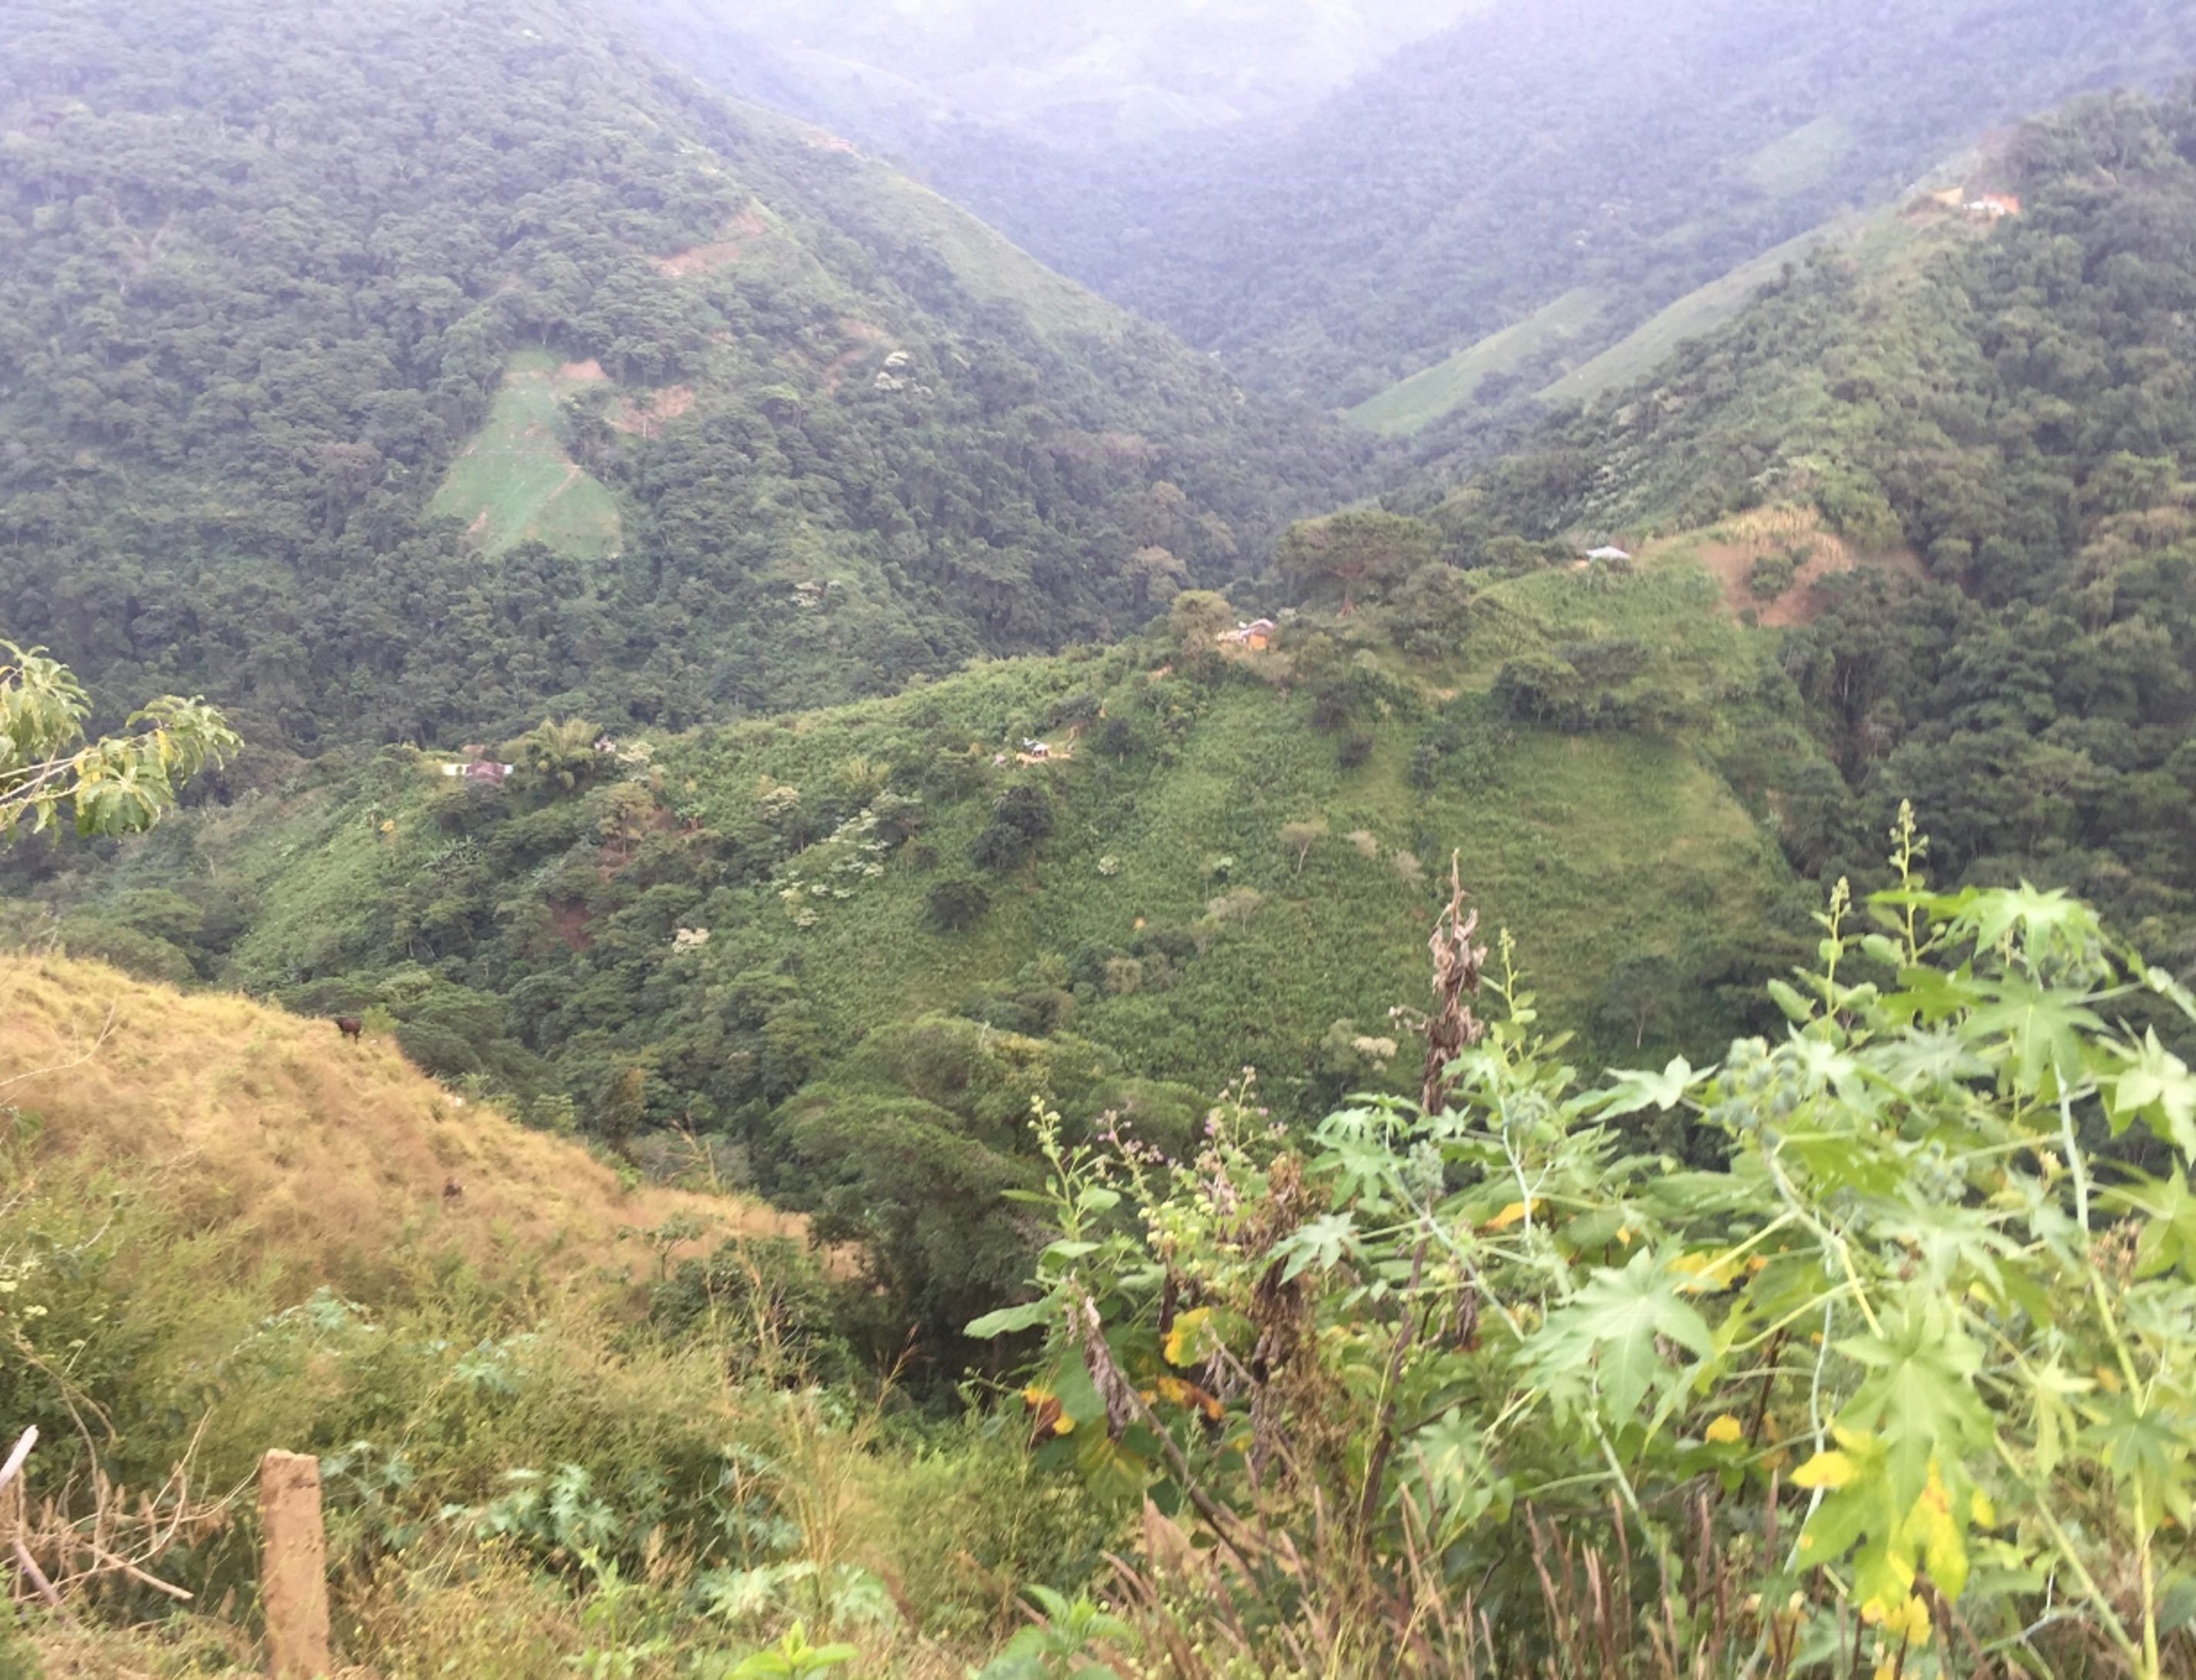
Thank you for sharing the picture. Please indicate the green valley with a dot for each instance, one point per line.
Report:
(740, 942)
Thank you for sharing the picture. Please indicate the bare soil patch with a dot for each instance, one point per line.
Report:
(1731, 550)
(644, 418)
(719, 253)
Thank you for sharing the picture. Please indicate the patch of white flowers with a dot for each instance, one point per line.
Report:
(832, 868)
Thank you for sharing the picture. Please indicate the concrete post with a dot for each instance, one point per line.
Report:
(293, 1580)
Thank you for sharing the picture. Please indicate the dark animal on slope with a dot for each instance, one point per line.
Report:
(349, 1026)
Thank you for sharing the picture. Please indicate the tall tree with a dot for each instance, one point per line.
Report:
(1358, 549)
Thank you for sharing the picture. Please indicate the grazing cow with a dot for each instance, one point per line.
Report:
(451, 1189)
(349, 1026)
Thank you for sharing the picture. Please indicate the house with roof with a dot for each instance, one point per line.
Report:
(1256, 637)
(480, 770)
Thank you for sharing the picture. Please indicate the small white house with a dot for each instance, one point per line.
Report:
(1608, 553)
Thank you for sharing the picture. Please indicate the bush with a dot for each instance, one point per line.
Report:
(1910, 1327)
(954, 905)
(1770, 575)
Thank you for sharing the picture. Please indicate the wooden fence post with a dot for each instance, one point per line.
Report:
(293, 1580)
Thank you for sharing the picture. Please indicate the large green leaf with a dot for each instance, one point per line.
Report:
(2044, 1029)
(1612, 1324)
(2157, 1085)
(1919, 1397)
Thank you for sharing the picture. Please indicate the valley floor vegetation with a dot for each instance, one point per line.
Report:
(1502, 1377)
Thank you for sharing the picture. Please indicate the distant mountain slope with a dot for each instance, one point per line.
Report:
(2005, 405)
(1088, 74)
(1628, 148)
(274, 280)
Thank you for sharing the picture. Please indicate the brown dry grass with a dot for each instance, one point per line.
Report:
(293, 1149)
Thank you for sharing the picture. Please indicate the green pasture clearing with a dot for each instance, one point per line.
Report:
(1805, 157)
(515, 482)
(1701, 311)
(1426, 396)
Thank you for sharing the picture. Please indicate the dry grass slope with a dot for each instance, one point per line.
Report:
(328, 1161)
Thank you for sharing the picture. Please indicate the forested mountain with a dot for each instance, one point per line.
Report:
(852, 945)
(2004, 416)
(1599, 157)
(410, 371)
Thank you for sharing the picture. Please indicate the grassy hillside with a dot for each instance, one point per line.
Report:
(224, 1230)
(1432, 392)
(1171, 779)
(1220, 859)
(330, 446)
(303, 1161)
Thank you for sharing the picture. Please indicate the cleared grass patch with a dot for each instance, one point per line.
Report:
(1805, 157)
(515, 482)
(1426, 396)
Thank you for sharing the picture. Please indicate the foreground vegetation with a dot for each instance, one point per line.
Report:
(1893, 1373)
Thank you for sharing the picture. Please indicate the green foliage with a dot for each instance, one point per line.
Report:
(2029, 627)
(955, 905)
(1924, 1325)
(528, 377)
(116, 784)
(1075, 1641)
(793, 1658)
(1362, 550)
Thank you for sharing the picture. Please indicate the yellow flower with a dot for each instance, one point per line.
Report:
(1725, 1430)
(1908, 1623)
(1189, 1395)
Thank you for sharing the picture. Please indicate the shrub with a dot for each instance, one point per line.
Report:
(1770, 575)
(954, 905)
(1911, 1365)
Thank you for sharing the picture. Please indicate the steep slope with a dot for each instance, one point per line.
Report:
(733, 910)
(855, 945)
(306, 1161)
(374, 370)
(1618, 153)
(2001, 412)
